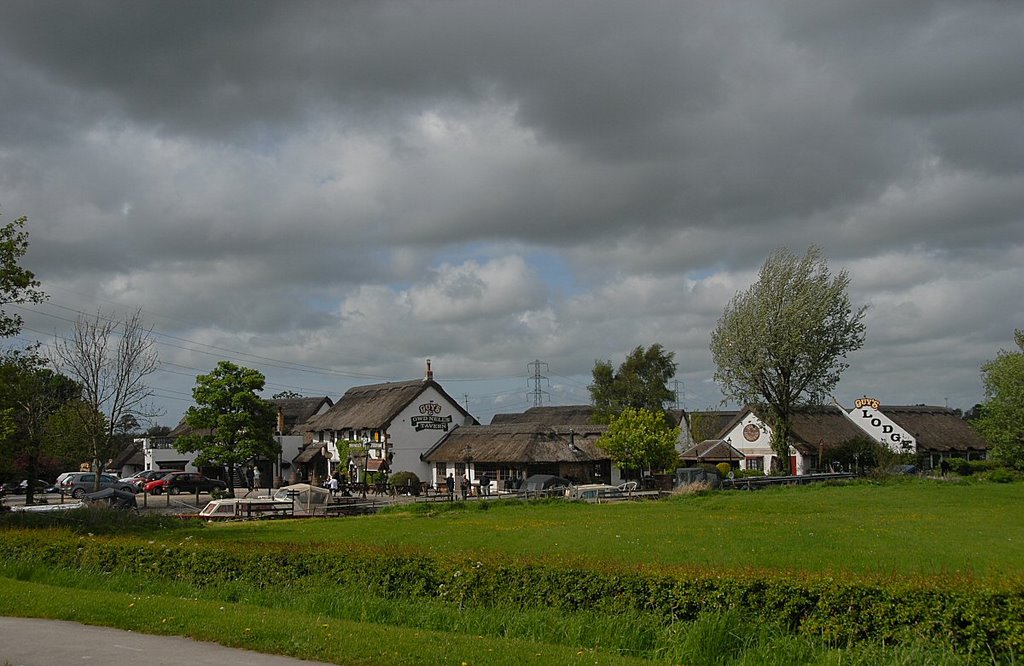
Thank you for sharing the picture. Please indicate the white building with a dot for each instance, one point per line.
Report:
(381, 427)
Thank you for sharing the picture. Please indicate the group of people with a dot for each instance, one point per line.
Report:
(252, 478)
(464, 485)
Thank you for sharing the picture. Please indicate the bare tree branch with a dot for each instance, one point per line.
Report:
(111, 360)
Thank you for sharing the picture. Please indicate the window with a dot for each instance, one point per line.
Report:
(755, 463)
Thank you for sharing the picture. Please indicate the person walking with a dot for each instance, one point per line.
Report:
(249, 478)
(450, 485)
(256, 478)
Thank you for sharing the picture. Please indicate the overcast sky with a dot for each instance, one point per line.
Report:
(334, 192)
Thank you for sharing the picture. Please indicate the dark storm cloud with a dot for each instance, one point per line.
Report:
(361, 183)
(726, 115)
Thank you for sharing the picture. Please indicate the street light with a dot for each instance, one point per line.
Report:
(467, 457)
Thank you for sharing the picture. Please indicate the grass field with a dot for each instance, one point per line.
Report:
(907, 530)
(932, 534)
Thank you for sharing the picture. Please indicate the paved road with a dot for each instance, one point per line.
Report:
(31, 642)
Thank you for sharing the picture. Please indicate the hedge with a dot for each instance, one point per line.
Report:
(989, 621)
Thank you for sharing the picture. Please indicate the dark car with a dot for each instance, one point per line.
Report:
(544, 482)
(20, 488)
(184, 482)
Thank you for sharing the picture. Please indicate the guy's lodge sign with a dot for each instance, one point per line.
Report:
(869, 409)
(430, 418)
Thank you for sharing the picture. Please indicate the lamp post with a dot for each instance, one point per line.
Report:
(366, 457)
(467, 458)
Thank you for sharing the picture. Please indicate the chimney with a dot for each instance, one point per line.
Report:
(430, 373)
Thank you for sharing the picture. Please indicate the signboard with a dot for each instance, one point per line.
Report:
(868, 415)
(430, 422)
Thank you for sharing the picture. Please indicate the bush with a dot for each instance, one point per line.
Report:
(723, 469)
(1001, 475)
(972, 619)
(403, 481)
(93, 520)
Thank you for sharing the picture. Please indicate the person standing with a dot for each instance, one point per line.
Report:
(464, 486)
(450, 485)
(249, 478)
(256, 478)
(485, 485)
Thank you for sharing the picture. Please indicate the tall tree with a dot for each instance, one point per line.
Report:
(231, 424)
(639, 439)
(783, 342)
(641, 382)
(110, 359)
(1002, 414)
(17, 284)
(30, 396)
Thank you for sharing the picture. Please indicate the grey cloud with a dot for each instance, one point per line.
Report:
(295, 179)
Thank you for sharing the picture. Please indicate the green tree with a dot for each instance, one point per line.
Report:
(1002, 414)
(110, 359)
(30, 395)
(17, 284)
(783, 342)
(231, 424)
(638, 439)
(641, 382)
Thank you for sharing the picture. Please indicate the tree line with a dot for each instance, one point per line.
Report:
(780, 344)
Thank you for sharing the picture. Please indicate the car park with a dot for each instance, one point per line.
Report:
(184, 482)
(77, 484)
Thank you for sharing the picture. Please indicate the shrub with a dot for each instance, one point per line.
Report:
(93, 520)
(1001, 475)
(723, 469)
(406, 480)
(971, 619)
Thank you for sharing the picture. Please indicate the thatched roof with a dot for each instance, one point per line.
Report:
(297, 411)
(567, 415)
(712, 423)
(937, 429)
(520, 443)
(130, 454)
(562, 415)
(712, 450)
(375, 406)
(814, 427)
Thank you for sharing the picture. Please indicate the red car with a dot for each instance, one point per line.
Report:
(140, 479)
(184, 482)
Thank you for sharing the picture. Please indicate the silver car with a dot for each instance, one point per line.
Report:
(80, 483)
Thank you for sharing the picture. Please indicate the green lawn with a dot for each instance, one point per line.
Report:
(914, 529)
(935, 533)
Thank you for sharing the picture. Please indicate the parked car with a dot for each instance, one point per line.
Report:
(538, 482)
(184, 482)
(140, 479)
(21, 487)
(77, 484)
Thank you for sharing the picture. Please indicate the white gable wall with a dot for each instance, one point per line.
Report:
(868, 416)
(754, 439)
(418, 427)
